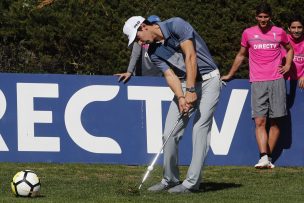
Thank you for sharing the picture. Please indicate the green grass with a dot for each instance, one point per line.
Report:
(118, 183)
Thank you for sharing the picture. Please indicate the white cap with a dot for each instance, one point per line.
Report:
(131, 26)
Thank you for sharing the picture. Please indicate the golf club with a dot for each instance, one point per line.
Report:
(151, 166)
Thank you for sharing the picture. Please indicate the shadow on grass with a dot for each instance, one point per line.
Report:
(33, 197)
(204, 187)
(39, 196)
(212, 186)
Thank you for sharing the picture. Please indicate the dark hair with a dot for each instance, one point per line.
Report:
(263, 7)
(148, 22)
(294, 18)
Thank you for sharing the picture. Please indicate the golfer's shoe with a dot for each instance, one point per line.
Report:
(179, 189)
(158, 187)
(263, 164)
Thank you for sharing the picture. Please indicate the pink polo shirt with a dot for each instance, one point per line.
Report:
(297, 69)
(265, 54)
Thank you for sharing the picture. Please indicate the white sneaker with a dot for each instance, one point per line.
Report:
(271, 165)
(263, 163)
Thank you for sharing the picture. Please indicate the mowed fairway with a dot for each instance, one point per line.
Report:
(118, 183)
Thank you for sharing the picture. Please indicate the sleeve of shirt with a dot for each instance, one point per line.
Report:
(244, 39)
(284, 38)
(136, 51)
(159, 63)
(182, 30)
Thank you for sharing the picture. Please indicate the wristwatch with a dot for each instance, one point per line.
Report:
(190, 89)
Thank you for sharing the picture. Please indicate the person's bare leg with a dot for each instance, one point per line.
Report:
(261, 134)
(262, 141)
(274, 133)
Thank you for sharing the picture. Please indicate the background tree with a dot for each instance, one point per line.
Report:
(85, 36)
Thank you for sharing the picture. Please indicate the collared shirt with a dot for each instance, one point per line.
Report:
(265, 55)
(297, 67)
(169, 54)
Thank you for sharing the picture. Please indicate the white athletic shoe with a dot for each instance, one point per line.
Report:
(271, 165)
(263, 163)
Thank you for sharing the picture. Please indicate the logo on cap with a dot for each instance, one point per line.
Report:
(137, 23)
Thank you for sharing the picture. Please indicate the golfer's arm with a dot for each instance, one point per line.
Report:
(173, 82)
(190, 62)
(238, 61)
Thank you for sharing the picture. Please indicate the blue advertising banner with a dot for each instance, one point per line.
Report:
(95, 119)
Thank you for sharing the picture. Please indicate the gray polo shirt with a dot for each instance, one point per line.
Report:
(169, 54)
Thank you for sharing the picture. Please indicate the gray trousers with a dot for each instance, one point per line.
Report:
(208, 95)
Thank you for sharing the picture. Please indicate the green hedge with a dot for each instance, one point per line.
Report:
(85, 36)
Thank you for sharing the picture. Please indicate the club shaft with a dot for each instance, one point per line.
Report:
(157, 155)
(164, 144)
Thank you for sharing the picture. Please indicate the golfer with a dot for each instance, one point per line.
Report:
(187, 65)
(140, 63)
(262, 43)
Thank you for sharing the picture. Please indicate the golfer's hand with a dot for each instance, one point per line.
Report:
(123, 76)
(191, 98)
(182, 104)
(301, 82)
(283, 69)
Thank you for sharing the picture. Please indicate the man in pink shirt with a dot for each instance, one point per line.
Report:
(262, 43)
(296, 38)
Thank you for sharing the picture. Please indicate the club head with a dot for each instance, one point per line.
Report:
(140, 186)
